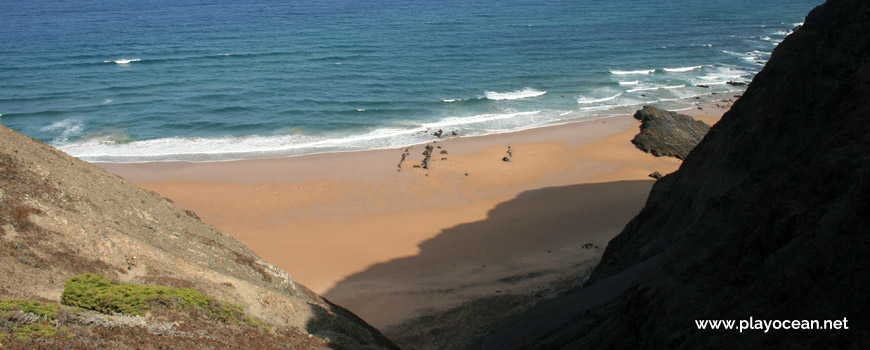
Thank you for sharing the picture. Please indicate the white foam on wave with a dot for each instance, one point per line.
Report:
(643, 89)
(67, 127)
(754, 55)
(104, 149)
(682, 69)
(586, 100)
(671, 87)
(614, 106)
(722, 75)
(123, 61)
(632, 72)
(449, 100)
(619, 105)
(749, 55)
(513, 95)
(633, 82)
(599, 108)
(228, 148)
(476, 119)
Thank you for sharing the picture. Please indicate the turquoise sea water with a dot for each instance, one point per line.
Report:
(127, 81)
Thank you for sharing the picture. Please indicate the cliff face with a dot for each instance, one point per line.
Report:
(768, 217)
(61, 217)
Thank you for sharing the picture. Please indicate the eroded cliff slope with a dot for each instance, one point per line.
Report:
(61, 217)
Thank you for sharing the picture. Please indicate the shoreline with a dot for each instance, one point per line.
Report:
(333, 220)
(709, 112)
(232, 156)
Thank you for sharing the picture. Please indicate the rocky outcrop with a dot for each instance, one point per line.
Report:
(665, 133)
(61, 217)
(767, 218)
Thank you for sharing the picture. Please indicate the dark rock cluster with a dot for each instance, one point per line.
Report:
(665, 133)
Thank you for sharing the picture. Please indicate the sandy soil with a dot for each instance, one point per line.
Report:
(390, 241)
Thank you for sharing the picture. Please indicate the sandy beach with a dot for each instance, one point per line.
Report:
(389, 240)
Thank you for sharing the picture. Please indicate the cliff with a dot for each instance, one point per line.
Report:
(766, 218)
(61, 217)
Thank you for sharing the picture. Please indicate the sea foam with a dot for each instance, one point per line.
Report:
(586, 100)
(229, 148)
(123, 61)
(476, 119)
(103, 149)
(513, 95)
(67, 127)
(682, 69)
(721, 76)
(632, 72)
(671, 87)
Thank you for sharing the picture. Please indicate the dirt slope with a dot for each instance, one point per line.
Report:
(60, 217)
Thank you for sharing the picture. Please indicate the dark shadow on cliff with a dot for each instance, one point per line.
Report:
(538, 237)
(768, 218)
(327, 324)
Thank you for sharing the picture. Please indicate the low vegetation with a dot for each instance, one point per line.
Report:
(92, 300)
(98, 293)
(42, 310)
(22, 319)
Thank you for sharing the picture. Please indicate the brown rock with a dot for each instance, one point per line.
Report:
(665, 133)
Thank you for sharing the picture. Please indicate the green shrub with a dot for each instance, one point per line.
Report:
(47, 312)
(33, 331)
(98, 293)
(43, 310)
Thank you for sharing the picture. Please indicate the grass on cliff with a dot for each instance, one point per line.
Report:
(98, 293)
(30, 325)
(42, 310)
(24, 320)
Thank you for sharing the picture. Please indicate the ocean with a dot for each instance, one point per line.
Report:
(135, 81)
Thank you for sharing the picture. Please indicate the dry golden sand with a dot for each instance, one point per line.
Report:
(350, 226)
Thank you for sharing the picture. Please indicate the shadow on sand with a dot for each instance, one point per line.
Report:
(538, 237)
